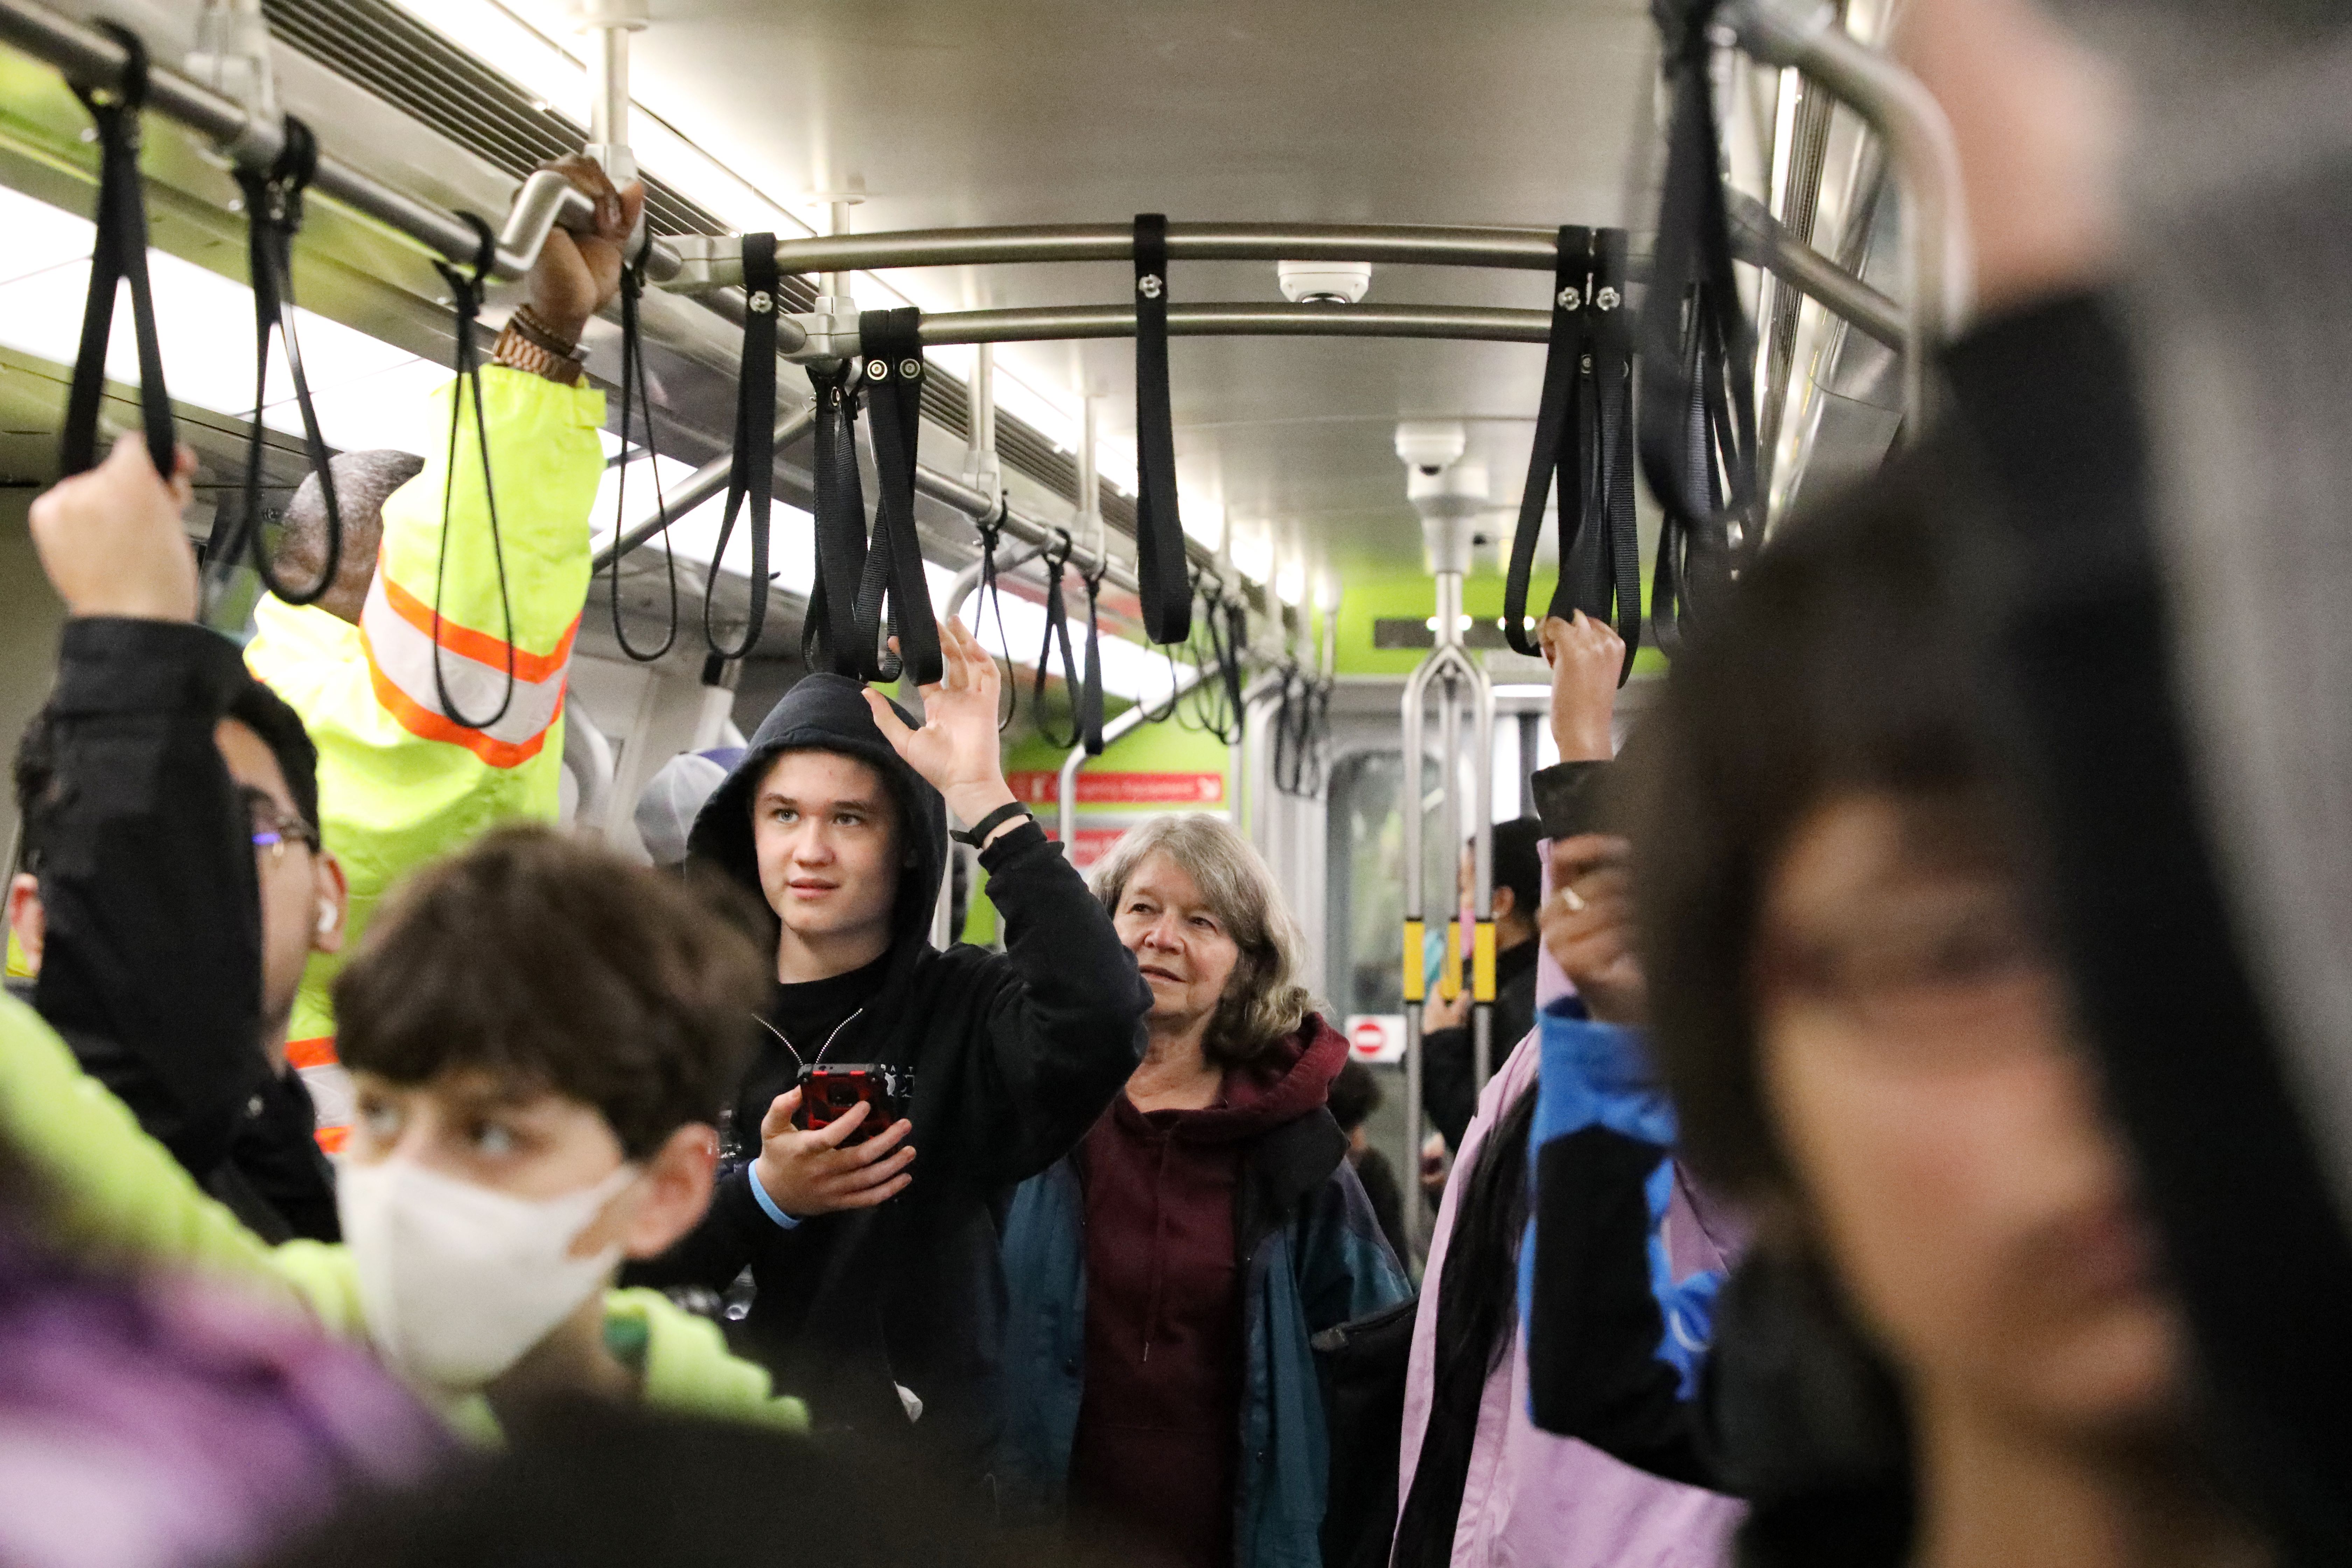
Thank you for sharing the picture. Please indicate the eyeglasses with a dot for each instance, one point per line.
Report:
(274, 828)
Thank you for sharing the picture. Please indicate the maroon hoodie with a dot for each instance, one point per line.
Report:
(1158, 1428)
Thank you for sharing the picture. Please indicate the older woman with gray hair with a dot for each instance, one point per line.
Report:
(1167, 1276)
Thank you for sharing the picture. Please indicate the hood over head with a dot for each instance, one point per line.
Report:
(1284, 1083)
(828, 712)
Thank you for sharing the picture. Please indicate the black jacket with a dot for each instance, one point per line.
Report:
(1014, 1056)
(150, 967)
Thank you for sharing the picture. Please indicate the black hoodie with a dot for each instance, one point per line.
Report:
(1014, 1057)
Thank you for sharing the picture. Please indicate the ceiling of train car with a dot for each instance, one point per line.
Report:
(943, 114)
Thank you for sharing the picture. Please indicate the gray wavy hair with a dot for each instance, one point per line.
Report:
(1264, 1000)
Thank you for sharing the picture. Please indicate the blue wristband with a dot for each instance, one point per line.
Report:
(768, 1205)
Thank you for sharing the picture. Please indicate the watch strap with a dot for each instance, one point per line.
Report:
(977, 834)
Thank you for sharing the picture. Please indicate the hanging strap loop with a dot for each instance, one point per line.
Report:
(752, 475)
(1090, 689)
(1698, 452)
(1618, 545)
(829, 636)
(119, 257)
(466, 300)
(1160, 560)
(635, 391)
(273, 205)
(1553, 460)
(893, 345)
(1582, 455)
(990, 530)
(1058, 627)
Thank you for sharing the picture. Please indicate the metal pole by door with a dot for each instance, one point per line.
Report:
(1459, 681)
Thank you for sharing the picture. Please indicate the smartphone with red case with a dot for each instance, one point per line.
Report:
(831, 1090)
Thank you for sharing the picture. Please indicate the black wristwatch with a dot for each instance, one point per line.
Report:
(977, 834)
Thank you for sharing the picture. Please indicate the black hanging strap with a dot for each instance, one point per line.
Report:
(273, 209)
(1583, 451)
(1057, 627)
(1554, 456)
(829, 635)
(991, 532)
(1616, 536)
(465, 299)
(893, 345)
(1090, 692)
(635, 391)
(752, 475)
(1302, 728)
(1698, 443)
(120, 255)
(1159, 561)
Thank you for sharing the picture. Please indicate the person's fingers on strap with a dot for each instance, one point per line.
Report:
(632, 203)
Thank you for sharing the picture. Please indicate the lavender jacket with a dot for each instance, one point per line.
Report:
(1531, 1499)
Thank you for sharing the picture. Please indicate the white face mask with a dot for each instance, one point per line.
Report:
(456, 1281)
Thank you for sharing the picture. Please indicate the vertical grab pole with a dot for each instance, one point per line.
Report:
(1416, 688)
(1482, 813)
(611, 22)
(981, 469)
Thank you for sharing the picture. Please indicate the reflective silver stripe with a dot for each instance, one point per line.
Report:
(403, 654)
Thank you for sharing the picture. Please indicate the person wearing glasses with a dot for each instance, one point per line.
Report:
(167, 951)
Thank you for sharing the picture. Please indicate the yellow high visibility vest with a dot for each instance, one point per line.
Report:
(402, 780)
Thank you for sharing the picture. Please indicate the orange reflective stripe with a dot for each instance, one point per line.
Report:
(333, 1139)
(427, 724)
(529, 667)
(316, 1052)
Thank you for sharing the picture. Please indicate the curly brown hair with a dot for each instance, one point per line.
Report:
(542, 957)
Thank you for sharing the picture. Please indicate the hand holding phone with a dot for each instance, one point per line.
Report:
(827, 1169)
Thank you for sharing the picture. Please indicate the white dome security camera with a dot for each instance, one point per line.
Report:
(1324, 283)
(1431, 445)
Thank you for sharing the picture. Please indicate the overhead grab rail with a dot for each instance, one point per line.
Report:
(1810, 37)
(709, 262)
(87, 55)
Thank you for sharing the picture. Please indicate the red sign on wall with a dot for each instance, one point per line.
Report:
(1045, 788)
(1093, 844)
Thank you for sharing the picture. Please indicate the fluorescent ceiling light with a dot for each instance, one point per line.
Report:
(1290, 581)
(367, 393)
(1253, 551)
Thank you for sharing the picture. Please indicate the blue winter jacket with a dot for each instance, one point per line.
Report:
(1316, 1259)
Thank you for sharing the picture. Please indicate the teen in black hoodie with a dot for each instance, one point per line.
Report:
(888, 1309)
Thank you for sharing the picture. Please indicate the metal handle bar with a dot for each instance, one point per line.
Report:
(88, 56)
(1927, 162)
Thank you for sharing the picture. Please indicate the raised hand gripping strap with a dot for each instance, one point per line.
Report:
(120, 255)
(753, 474)
(893, 345)
(1159, 561)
